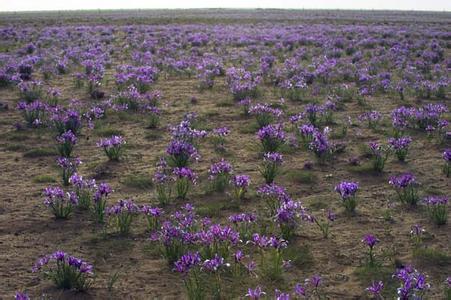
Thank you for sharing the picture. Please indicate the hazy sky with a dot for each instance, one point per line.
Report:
(20, 5)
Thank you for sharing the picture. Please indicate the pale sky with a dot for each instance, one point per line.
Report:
(28, 5)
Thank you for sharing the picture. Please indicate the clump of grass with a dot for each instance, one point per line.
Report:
(366, 275)
(214, 209)
(301, 257)
(249, 128)
(107, 131)
(154, 135)
(319, 203)
(15, 147)
(209, 210)
(151, 251)
(431, 257)
(225, 104)
(362, 169)
(138, 181)
(40, 152)
(301, 176)
(17, 136)
(43, 179)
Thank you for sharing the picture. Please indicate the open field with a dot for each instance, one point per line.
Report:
(343, 96)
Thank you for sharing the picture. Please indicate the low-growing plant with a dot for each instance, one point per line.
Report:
(271, 137)
(180, 153)
(447, 165)
(121, 215)
(113, 147)
(60, 203)
(347, 191)
(371, 241)
(437, 207)
(219, 175)
(218, 138)
(66, 271)
(240, 185)
(379, 155)
(185, 177)
(324, 224)
(68, 168)
(66, 143)
(84, 190)
(406, 188)
(270, 166)
(400, 146)
(153, 216)
(99, 201)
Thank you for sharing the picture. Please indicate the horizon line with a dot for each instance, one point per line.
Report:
(226, 8)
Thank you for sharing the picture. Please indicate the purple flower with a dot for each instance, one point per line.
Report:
(281, 296)
(413, 283)
(271, 137)
(123, 206)
(243, 218)
(314, 281)
(347, 189)
(212, 265)
(187, 262)
(331, 216)
(222, 131)
(113, 141)
(255, 294)
(436, 200)
(241, 181)
(274, 157)
(221, 167)
(417, 230)
(320, 144)
(103, 190)
(299, 290)
(185, 173)
(400, 143)
(402, 181)
(370, 240)
(21, 296)
(447, 155)
(151, 211)
(375, 288)
(67, 137)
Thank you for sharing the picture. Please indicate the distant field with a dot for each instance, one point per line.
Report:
(237, 138)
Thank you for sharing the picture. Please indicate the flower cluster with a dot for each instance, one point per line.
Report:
(372, 117)
(122, 215)
(68, 272)
(447, 165)
(438, 208)
(180, 153)
(265, 114)
(184, 178)
(400, 146)
(347, 191)
(242, 83)
(59, 202)
(240, 184)
(271, 137)
(379, 155)
(112, 146)
(405, 186)
(66, 143)
(270, 166)
(413, 283)
(69, 167)
(219, 174)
